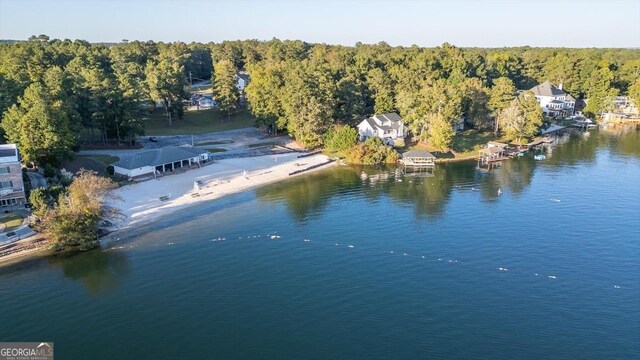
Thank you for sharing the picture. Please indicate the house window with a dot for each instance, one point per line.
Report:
(6, 184)
(5, 170)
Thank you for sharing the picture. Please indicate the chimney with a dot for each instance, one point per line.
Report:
(560, 86)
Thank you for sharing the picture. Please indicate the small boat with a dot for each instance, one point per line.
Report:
(539, 157)
(521, 154)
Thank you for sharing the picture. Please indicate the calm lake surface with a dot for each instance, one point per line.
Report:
(333, 265)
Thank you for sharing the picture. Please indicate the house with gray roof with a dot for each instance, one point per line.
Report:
(242, 80)
(553, 100)
(155, 161)
(389, 127)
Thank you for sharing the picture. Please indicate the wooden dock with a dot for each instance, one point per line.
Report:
(418, 159)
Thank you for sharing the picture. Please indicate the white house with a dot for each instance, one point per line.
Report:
(204, 101)
(242, 79)
(554, 101)
(159, 160)
(388, 127)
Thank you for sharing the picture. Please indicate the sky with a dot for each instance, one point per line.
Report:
(480, 23)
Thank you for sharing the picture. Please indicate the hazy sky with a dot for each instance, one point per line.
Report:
(584, 23)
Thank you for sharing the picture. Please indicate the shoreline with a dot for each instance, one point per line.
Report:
(139, 204)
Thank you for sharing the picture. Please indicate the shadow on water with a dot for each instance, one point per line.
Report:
(430, 194)
(307, 195)
(98, 270)
(623, 141)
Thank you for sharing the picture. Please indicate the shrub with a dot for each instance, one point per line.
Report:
(49, 171)
(71, 222)
(340, 138)
(372, 152)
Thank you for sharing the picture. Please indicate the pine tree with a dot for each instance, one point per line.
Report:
(225, 91)
(440, 132)
(500, 96)
(41, 125)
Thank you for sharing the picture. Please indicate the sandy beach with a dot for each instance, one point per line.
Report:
(141, 202)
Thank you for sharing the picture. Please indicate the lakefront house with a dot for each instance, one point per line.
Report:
(11, 184)
(553, 100)
(389, 127)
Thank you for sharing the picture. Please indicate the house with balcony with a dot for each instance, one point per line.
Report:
(388, 127)
(553, 100)
(11, 184)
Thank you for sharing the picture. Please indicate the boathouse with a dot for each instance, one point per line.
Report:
(490, 154)
(418, 159)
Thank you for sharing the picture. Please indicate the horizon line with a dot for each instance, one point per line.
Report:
(332, 44)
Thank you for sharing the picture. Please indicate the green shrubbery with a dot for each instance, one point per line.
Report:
(340, 139)
(69, 217)
(372, 152)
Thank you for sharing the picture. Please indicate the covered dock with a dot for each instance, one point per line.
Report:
(491, 154)
(418, 159)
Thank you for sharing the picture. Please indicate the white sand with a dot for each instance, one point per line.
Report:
(141, 202)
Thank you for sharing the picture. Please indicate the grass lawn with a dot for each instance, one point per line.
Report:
(10, 221)
(215, 150)
(468, 142)
(465, 145)
(197, 122)
(97, 163)
(106, 159)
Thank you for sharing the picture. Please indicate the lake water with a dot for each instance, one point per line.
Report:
(334, 265)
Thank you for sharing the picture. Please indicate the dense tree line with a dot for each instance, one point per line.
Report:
(53, 90)
(305, 88)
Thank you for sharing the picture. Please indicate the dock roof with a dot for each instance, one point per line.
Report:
(491, 150)
(551, 129)
(417, 154)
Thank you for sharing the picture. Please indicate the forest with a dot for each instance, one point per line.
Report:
(54, 91)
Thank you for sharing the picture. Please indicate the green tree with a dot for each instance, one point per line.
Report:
(39, 200)
(340, 138)
(372, 152)
(263, 93)
(41, 125)
(308, 101)
(382, 90)
(166, 81)
(225, 91)
(475, 103)
(71, 224)
(501, 95)
(440, 132)
(436, 97)
(600, 94)
(522, 118)
(634, 93)
(309, 123)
